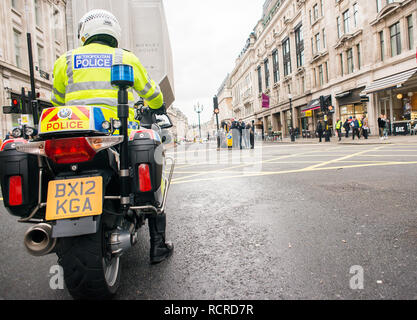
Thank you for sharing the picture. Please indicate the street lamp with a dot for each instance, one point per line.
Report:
(199, 109)
(291, 125)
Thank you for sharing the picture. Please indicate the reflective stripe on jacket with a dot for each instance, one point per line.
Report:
(82, 77)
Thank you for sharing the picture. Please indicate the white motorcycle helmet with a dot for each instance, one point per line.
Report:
(98, 22)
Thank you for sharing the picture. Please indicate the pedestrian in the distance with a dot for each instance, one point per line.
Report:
(319, 130)
(252, 135)
(355, 128)
(386, 127)
(381, 126)
(339, 128)
(346, 126)
(365, 127)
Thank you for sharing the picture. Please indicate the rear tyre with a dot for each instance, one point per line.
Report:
(89, 271)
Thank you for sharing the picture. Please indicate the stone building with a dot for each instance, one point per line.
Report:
(359, 55)
(45, 20)
(224, 98)
(180, 123)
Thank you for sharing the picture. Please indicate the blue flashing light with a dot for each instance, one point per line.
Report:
(122, 75)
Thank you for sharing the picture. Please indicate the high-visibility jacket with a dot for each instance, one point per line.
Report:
(82, 77)
(339, 125)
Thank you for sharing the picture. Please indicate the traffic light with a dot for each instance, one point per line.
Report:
(15, 107)
(216, 105)
(323, 106)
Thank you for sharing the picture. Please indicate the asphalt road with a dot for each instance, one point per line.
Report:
(277, 222)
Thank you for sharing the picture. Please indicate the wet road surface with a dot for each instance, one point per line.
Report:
(277, 222)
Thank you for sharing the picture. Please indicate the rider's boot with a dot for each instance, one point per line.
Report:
(160, 249)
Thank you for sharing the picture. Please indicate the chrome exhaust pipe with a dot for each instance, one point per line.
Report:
(38, 240)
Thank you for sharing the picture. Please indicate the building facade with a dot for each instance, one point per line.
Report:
(145, 33)
(180, 124)
(360, 55)
(46, 22)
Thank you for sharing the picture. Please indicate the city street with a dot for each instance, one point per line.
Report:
(279, 222)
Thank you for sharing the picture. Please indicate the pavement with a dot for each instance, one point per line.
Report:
(371, 140)
(282, 221)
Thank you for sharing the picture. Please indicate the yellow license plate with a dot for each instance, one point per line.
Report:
(74, 198)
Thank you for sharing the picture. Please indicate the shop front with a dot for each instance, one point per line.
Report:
(312, 113)
(396, 98)
(352, 104)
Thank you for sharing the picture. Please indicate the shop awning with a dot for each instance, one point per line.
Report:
(315, 104)
(393, 81)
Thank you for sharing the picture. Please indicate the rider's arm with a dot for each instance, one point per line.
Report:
(58, 91)
(144, 85)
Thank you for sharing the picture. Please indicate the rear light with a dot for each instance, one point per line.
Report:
(15, 191)
(145, 184)
(71, 150)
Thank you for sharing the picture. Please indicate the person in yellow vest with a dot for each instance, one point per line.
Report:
(82, 77)
(339, 128)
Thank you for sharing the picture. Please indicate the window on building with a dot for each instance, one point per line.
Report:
(316, 12)
(339, 27)
(38, 13)
(14, 4)
(311, 18)
(349, 60)
(299, 46)
(321, 75)
(286, 56)
(259, 79)
(41, 57)
(322, 8)
(323, 32)
(317, 42)
(378, 5)
(303, 85)
(358, 50)
(355, 14)
(275, 65)
(312, 46)
(17, 37)
(346, 21)
(410, 28)
(342, 71)
(382, 45)
(266, 68)
(57, 25)
(395, 34)
(327, 71)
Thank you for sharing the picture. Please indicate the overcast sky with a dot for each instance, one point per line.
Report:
(206, 38)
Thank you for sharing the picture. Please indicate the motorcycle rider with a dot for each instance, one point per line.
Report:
(82, 77)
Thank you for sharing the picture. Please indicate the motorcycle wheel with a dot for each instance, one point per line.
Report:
(89, 271)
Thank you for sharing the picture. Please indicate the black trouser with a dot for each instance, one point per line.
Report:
(320, 133)
(365, 133)
(347, 133)
(355, 133)
(252, 140)
(339, 133)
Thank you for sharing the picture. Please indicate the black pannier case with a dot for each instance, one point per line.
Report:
(142, 151)
(14, 163)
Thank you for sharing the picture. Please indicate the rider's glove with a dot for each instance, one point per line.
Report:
(160, 111)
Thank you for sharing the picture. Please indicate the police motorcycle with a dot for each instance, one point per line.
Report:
(87, 189)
